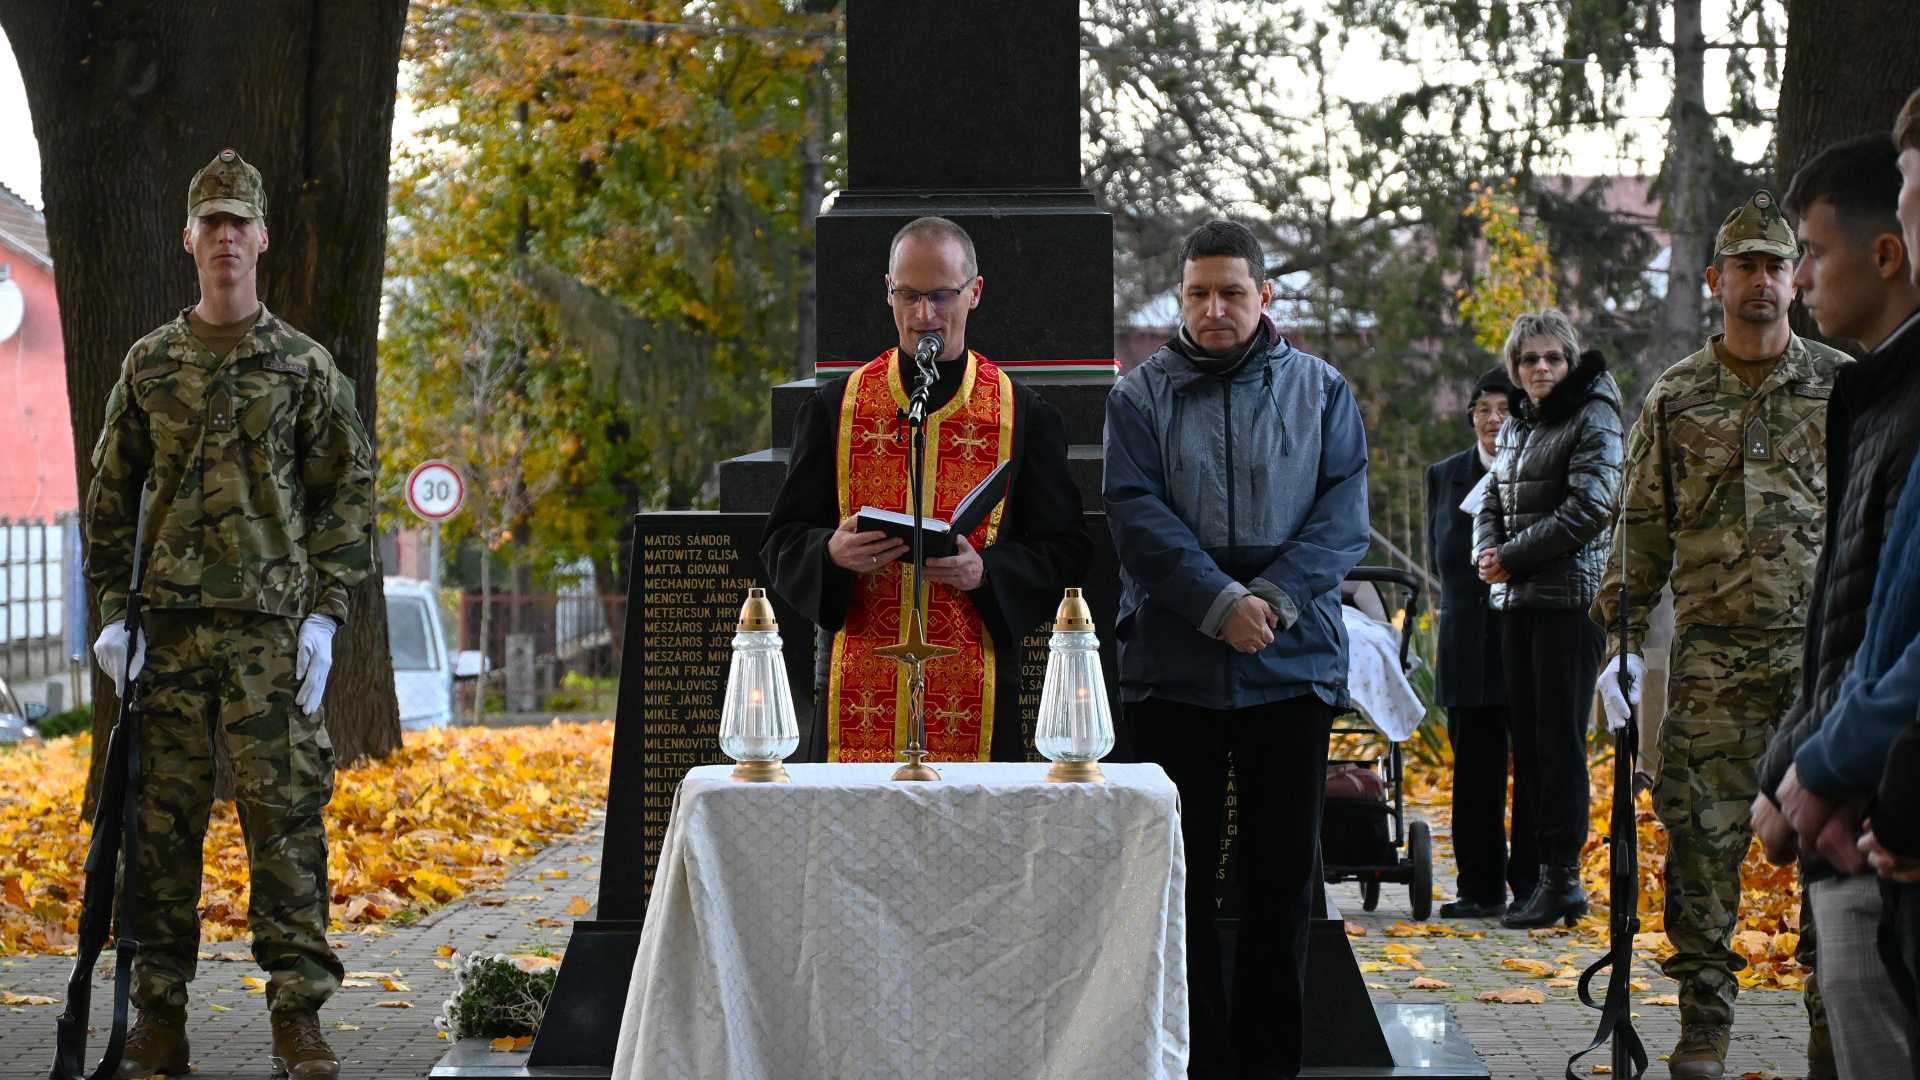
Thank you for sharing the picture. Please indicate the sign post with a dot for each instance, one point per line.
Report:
(435, 491)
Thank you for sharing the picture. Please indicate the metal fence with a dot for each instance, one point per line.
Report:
(39, 571)
(549, 652)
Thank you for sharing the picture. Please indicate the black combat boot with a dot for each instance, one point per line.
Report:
(300, 1052)
(157, 1043)
(1558, 897)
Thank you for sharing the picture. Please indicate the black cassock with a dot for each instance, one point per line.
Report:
(1042, 548)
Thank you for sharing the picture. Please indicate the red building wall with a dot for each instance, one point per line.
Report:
(36, 431)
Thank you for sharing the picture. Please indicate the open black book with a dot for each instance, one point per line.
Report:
(937, 536)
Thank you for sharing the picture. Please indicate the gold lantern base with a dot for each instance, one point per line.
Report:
(761, 772)
(1075, 772)
(916, 767)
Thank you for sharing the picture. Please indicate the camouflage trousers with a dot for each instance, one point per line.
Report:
(228, 677)
(1726, 690)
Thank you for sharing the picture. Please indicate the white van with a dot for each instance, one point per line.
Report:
(424, 669)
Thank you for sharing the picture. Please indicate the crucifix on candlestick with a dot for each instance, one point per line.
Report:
(914, 650)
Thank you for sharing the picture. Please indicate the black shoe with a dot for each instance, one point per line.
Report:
(1464, 908)
(1558, 898)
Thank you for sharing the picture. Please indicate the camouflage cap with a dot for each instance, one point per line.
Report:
(228, 185)
(1758, 226)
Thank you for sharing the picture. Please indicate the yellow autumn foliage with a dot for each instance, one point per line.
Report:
(449, 812)
(1519, 273)
(1769, 927)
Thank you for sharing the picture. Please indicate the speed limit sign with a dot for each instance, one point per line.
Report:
(435, 490)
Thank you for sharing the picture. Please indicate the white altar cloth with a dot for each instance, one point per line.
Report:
(844, 926)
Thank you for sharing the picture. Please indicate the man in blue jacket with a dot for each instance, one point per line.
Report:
(1236, 488)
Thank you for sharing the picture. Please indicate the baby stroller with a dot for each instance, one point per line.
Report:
(1363, 828)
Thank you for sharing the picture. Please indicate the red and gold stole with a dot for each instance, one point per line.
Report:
(867, 703)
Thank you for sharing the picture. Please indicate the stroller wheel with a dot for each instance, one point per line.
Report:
(1420, 850)
(1369, 895)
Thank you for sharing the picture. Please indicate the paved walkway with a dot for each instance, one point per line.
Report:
(378, 1042)
(1526, 1042)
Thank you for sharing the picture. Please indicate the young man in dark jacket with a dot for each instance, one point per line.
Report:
(1856, 280)
(1236, 489)
(1879, 710)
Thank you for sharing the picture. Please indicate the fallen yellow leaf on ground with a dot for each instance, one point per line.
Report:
(393, 1004)
(1531, 967)
(1518, 995)
(447, 814)
(580, 906)
(1425, 983)
(8, 997)
(510, 1042)
(395, 986)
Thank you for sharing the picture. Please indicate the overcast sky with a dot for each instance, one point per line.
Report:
(19, 154)
(1591, 152)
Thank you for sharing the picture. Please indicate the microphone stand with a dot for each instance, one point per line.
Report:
(914, 650)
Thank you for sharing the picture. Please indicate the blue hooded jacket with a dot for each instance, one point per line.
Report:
(1220, 485)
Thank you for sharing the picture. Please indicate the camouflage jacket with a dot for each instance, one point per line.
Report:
(1725, 494)
(258, 471)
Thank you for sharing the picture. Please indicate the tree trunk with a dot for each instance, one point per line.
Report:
(128, 100)
(1850, 66)
(1689, 218)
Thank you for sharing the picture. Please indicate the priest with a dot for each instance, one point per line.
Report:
(851, 449)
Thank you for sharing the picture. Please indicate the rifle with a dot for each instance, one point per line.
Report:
(1623, 899)
(115, 847)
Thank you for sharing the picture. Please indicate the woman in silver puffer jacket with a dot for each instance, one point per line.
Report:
(1541, 537)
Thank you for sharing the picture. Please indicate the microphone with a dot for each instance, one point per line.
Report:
(929, 349)
(924, 354)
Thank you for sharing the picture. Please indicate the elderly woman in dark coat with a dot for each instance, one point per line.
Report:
(1541, 539)
(1470, 680)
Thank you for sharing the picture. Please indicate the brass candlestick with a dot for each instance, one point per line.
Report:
(914, 651)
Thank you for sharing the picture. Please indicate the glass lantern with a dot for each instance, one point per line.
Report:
(757, 725)
(1075, 726)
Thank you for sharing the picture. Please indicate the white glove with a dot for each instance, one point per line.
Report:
(110, 652)
(1611, 700)
(313, 662)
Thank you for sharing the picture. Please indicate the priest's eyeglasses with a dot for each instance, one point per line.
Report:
(941, 299)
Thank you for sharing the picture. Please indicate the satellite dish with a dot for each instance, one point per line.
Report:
(13, 306)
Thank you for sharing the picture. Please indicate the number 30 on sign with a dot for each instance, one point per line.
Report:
(435, 490)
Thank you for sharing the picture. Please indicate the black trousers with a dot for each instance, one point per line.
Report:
(1479, 735)
(1899, 944)
(1281, 751)
(1553, 657)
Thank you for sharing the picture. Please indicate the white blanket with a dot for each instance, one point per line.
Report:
(1379, 687)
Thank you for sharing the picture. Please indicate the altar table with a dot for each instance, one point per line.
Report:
(843, 926)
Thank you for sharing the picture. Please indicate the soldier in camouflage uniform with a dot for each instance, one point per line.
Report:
(242, 435)
(1725, 498)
